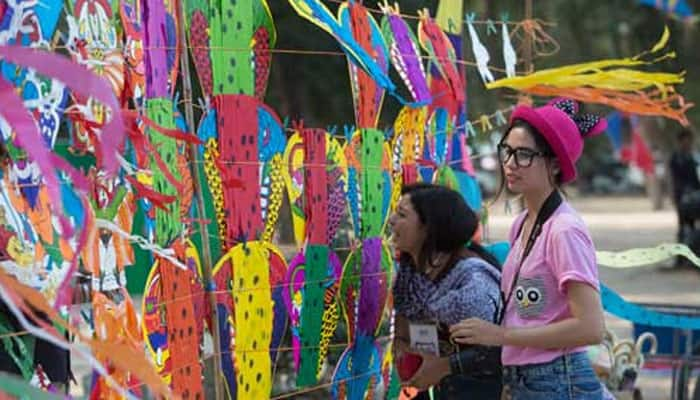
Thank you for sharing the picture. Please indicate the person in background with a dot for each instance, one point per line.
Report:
(684, 181)
(442, 279)
(550, 288)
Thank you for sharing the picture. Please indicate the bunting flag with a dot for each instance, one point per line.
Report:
(481, 53)
(637, 153)
(510, 57)
(614, 130)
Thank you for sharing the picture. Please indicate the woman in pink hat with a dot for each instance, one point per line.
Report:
(549, 286)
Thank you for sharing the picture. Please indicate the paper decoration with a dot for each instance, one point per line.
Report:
(93, 42)
(106, 254)
(363, 294)
(254, 271)
(364, 286)
(368, 95)
(678, 8)
(133, 53)
(481, 54)
(613, 82)
(634, 258)
(616, 305)
(309, 359)
(449, 17)
(115, 323)
(159, 302)
(407, 148)
(207, 171)
(122, 356)
(313, 276)
(317, 13)
(510, 58)
(294, 182)
(405, 54)
(442, 56)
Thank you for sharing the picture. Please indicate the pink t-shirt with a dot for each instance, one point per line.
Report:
(563, 252)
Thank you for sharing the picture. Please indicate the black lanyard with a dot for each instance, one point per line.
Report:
(548, 207)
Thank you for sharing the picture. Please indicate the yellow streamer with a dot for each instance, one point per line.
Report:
(596, 74)
(662, 42)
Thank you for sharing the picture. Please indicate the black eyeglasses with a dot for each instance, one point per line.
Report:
(523, 155)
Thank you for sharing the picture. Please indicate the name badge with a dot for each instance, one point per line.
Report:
(424, 337)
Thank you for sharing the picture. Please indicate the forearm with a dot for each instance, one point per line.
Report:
(571, 332)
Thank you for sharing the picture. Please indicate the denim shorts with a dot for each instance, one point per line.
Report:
(457, 387)
(569, 377)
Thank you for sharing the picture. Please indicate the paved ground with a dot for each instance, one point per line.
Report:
(623, 223)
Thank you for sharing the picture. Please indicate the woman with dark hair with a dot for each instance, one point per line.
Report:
(442, 279)
(550, 286)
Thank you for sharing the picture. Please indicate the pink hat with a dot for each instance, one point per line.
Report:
(563, 128)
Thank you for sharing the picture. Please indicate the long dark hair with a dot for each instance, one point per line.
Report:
(540, 145)
(449, 222)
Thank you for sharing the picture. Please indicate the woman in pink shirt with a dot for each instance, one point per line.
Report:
(550, 287)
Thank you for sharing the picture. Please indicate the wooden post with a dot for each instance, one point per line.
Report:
(527, 54)
(207, 263)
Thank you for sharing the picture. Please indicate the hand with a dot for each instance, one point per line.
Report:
(430, 373)
(477, 331)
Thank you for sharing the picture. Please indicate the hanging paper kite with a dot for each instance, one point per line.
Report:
(177, 354)
(443, 57)
(448, 109)
(407, 148)
(366, 279)
(133, 53)
(367, 93)
(319, 15)
(313, 276)
(405, 53)
(244, 141)
(92, 41)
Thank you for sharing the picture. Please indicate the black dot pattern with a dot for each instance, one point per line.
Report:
(584, 122)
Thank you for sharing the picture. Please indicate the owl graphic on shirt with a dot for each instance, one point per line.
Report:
(530, 296)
